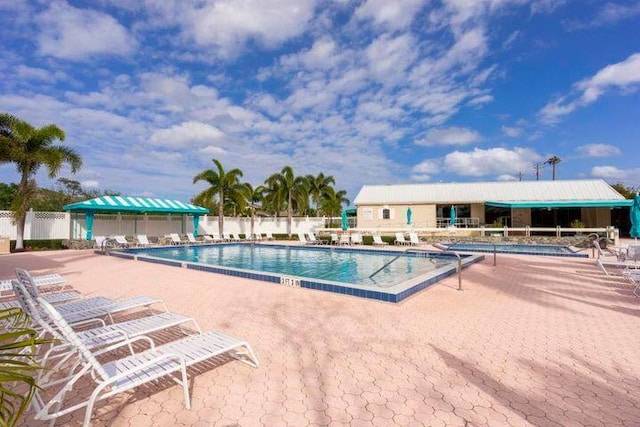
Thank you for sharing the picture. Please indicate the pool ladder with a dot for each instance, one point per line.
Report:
(404, 252)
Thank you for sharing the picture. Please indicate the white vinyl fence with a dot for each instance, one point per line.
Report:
(65, 225)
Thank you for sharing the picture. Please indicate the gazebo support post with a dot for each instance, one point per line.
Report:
(88, 217)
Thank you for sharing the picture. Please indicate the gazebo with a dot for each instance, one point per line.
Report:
(142, 205)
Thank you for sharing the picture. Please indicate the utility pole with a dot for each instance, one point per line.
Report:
(537, 167)
(519, 176)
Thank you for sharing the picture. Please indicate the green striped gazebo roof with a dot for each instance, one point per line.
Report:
(135, 204)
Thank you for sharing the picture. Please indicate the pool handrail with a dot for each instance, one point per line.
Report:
(405, 251)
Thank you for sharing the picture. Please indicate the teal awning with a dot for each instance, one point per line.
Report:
(561, 204)
(135, 204)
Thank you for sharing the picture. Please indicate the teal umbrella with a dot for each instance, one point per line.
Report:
(409, 216)
(345, 222)
(453, 216)
(634, 215)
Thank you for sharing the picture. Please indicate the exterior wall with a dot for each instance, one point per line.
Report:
(520, 217)
(370, 216)
(477, 211)
(596, 217)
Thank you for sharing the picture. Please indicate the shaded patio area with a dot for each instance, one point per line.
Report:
(534, 341)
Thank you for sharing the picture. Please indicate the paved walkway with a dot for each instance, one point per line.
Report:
(534, 341)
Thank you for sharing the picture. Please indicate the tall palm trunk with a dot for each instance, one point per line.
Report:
(289, 214)
(221, 213)
(21, 212)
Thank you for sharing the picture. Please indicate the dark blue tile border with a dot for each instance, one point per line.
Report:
(453, 248)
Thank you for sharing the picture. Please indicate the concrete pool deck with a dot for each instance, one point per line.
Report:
(534, 341)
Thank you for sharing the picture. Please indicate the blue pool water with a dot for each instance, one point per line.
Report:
(325, 264)
(513, 248)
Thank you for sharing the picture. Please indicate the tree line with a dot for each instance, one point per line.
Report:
(282, 193)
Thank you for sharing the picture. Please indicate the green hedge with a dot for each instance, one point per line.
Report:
(40, 245)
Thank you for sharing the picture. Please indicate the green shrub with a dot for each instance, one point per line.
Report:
(40, 245)
(576, 223)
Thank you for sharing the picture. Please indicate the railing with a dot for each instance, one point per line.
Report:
(459, 222)
(406, 251)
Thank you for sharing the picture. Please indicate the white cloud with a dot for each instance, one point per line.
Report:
(506, 177)
(622, 75)
(212, 150)
(629, 176)
(512, 131)
(90, 184)
(491, 161)
(450, 136)
(390, 14)
(425, 169)
(480, 100)
(228, 25)
(186, 134)
(598, 150)
(71, 33)
(608, 14)
(389, 57)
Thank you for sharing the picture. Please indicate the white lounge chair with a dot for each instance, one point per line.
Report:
(269, 236)
(377, 241)
(344, 239)
(121, 241)
(356, 238)
(400, 240)
(257, 237)
(142, 240)
(303, 239)
(95, 337)
(175, 239)
(208, 239)
(335, 240)
(99, 241)
(90, 308)
(44, 283)
(226, 237)
(312, 239)
(414, 240)
(605, 265)
(633, 276)
(124, 374)
(236, 237)
(192, 239)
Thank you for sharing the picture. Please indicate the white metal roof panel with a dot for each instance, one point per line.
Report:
(478, 192)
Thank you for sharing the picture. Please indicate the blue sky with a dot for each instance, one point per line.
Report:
(369, 91)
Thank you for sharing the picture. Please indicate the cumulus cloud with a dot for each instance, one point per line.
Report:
(70, 33)
(390, 14)
(425, 169)
(450, 136)
(598, 150)
(186, 134)
(492, 161)
(631, 176)
(227, 25)
(623, 75)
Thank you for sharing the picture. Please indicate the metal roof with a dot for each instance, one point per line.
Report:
(562, 204)
(135, 204)
(480, 192)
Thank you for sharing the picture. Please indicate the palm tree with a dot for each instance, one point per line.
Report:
(224, 184)
(294, 190)
(331, 204)
(553, 161)
(30, 148)
(253, 196)
(318, 187)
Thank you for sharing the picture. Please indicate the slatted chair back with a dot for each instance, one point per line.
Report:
(72, 338)
(28, 305)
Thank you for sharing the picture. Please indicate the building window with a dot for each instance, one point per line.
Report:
(368, 214)
(386, 213)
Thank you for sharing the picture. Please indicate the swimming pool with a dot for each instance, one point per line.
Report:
(514, 248)
(376, 274)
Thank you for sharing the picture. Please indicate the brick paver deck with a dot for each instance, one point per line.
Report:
(534, 341)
